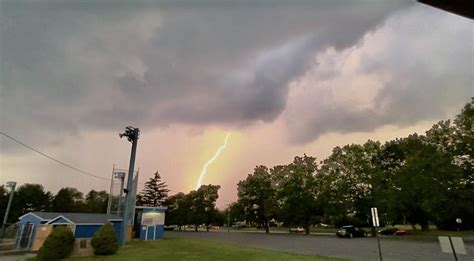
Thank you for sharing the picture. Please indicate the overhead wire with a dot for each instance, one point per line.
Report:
(52, 158)
(56, 160)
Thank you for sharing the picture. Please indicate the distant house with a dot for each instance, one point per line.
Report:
(34, 227)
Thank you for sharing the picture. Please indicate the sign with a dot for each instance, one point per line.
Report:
(153, 219)
(375, 217)
(448, 244)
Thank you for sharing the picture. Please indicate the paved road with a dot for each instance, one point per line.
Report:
(331, 246)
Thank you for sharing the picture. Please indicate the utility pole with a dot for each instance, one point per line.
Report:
(132, 135)
(12, 186)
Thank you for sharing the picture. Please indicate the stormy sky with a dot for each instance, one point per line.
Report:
(283, 77)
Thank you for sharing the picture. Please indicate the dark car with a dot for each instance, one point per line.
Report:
(350, 231)
(393, 231)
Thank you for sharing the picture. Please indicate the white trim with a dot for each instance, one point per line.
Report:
(115, 220)
(61, 216)
(146, 233)
(154, 233)
(31, 213)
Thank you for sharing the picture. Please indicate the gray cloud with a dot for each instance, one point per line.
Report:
(71, 66)
(415, 67)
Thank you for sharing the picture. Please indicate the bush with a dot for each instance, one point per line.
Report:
(58, 244)
(104, 241)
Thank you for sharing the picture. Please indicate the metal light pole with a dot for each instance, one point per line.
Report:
(12, 186)
(132, 135)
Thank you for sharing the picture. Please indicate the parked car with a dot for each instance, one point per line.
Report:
(393, 231)
(170, 227)
(297, 230)
(350, 231)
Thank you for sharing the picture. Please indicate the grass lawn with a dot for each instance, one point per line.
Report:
(192, 249)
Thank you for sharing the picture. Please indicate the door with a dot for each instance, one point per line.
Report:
(150, 232)
(25, 235)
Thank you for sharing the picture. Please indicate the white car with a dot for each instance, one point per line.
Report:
(297, 230)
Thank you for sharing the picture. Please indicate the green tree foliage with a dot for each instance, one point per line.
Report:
(104, 241)
(348, 179)
(419, 180)
(96, 201)
(177, 212)
(27, 198)
(237, 212)
(257, 196)
(298, 191)
(58, 244)
(203, 205)
(155, 192)
(68, 200)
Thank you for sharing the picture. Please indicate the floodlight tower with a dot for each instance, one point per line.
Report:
(12, 186)
(132, 135)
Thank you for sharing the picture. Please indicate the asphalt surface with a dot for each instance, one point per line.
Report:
(332, 246)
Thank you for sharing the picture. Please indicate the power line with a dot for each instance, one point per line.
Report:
(51, 158)
(58, 161)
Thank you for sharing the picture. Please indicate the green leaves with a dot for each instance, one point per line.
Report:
(155, 192)
(104, 241)
(58, 245)
(257, 195)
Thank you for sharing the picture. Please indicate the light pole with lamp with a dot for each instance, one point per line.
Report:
(12, 186)
(132, 135)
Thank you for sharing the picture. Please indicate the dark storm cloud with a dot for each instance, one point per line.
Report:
(76, 66)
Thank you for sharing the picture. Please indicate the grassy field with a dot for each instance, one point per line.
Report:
(190, 249)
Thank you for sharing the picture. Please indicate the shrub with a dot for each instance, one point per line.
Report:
(58, 244)
(104, 241)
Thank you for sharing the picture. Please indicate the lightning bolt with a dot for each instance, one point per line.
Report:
(204, 169)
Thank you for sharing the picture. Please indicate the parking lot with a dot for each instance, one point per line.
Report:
(331, 246)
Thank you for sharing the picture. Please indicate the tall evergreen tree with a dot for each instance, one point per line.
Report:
(155, 192)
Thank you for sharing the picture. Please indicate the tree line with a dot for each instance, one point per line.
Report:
(198, 207)
(418, 180)
(33, 197)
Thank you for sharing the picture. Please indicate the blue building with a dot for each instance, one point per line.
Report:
(35, 226)
(149, 222)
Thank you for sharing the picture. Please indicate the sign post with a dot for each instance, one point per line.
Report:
(375, 222)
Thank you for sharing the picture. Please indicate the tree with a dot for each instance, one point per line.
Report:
(155, 192)
(457, 141)
(297, 191)
(68, 200)
(178, 208)
(237, 212)
(257, 195)
(203, 205)
(96, 201)
(424, 183)
(28, 198)
(349, 182)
